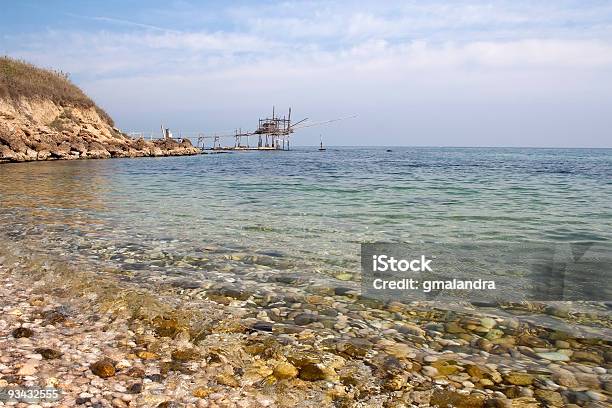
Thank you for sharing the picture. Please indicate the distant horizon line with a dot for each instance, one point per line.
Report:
(458, 147)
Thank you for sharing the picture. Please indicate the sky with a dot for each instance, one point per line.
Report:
(416, 73)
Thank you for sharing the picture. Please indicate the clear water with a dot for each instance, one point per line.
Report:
(243, 217)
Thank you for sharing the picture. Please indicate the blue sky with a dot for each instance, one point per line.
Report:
(458, 73)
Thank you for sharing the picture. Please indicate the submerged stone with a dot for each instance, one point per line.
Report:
(185, 354)
(305, 318)
(587, 356)
(22, 332)
(517, 378)
(166, 327)
(227, 379)
(354, 347)
(553, 356)
(549, 398)
(444, 398)
(103, 368)
(53, 317)
(285, 371)
(135, 388)
(314, 372)
(48, 354)
(201, 392)
(263, 326)
(136, 372)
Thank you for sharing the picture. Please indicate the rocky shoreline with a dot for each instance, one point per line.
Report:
(38, 129)
(105, 343)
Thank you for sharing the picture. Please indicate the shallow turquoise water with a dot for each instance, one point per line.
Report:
(303, 211)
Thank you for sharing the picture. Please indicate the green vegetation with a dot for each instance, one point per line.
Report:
(21, 79)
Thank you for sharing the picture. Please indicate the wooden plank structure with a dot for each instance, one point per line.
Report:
(272, 133)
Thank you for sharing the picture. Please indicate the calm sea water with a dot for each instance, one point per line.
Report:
(225, 216)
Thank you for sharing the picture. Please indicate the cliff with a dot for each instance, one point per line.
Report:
(43, 116)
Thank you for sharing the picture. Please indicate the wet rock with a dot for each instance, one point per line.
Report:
(410, 329)
(315, 372)
(135, 372)
(596, 396)
(494, 334)
(587, 356)
(446, 398)
(285, 371)
(549, 398)
(22, 332)
(341, 291)
(444, 368)
(531, 341)
(558, 310)
(135, 388)
(454, 328)
(517, 378)
(227, 379)
(399, 350)
(305, 318)
(588, 380)
(48, 354)
(553, 356)
(263, 326)
(168, 404)
(498, 403)
(147, 355)
(475, 371)
(484, 344)
(166, 327)
(233, 293)
(155, 377)
(185, 354)
(394, 383)
(177, 366)
(103, 368)
(27, 369)
(54, 317)
(202, 392)
(430, 371)
(356, 348)
(186, 284)
(286, 279)
(488, 322)
(565, 378)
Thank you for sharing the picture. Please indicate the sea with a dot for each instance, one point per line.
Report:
(244, 218)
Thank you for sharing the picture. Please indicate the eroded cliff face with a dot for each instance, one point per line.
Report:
(40, 129)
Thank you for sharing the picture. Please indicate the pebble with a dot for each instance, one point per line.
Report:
(263, 326)
(517, 378)
(430, 371)
(103, 368)
(565, 378)
(285, 371)
(488, 322)
(27, 369)
(22, 332)
(347, 346)
(596, 396)
(554, 356)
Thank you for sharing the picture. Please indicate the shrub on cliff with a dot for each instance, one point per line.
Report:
(21, 79)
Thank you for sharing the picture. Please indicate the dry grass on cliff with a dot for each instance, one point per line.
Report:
(21, 79)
